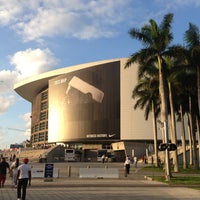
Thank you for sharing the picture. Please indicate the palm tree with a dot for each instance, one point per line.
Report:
(182, 104)
(156, 40)
(171, 80)
(146, 93)
(192, 39)
(190, 91)
(183, 77)
(183, 137)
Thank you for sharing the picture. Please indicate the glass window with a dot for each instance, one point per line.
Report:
(44, 95)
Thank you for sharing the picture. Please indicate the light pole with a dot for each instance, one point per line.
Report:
(166, 144)
(167, 160)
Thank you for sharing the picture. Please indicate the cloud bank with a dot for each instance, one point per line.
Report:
(83, 19)
(33, 61)
(26, 63)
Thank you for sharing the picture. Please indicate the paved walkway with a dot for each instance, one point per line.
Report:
(98, 189)
(125, 188)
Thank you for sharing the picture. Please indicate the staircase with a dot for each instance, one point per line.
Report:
(54, 154)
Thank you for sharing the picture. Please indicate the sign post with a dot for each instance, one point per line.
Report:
(48, 172)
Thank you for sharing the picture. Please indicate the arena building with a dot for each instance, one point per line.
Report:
(89, 107)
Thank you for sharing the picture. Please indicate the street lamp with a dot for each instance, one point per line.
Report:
(166, 144)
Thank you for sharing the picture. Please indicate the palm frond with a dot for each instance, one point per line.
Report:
(192, 36)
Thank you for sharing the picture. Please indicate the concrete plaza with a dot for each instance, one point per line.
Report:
(134, 186)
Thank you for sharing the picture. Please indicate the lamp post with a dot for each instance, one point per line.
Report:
(166, 143)
(167, 160)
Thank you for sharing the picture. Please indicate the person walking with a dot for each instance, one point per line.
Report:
(14, 169)
(135, 161)
(3, 171)
(127, 164)
(24, 178)
(103, 158)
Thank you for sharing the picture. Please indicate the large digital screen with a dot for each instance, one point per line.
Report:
(85, 104)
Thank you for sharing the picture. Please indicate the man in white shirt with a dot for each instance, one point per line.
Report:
(24, 178)
(127, 164)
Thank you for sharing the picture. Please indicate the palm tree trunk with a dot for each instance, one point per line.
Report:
(183, 138)
(198, 133)
(173, 130)
(193, 139)
(198, 86)
(155, 135)
(164, 116)
(190, 140)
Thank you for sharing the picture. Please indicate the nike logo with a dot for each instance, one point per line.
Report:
(111, 135)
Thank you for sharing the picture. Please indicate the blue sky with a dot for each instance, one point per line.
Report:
(42, 35)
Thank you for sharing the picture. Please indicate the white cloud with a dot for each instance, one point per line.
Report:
(33, 61)
(7, 80)
(27, 119)
(6, 102)
(7, 98)
(27, 63)
(82, 19)
(87, 19)
(9, 10)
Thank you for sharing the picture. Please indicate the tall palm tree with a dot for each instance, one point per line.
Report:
(190, 89)
(156, 40)
(146, 93)
(192, 39)
(171, 80)
(183, 137)
(182, 104)
(185, 83)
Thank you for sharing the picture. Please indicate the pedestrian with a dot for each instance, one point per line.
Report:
(3, 171)
(103, 158)
(127, 165)
(135, 161)
(14, 156)
(24, 178)
(13, 169)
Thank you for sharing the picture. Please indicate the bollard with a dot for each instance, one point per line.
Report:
(88, 166)
(69, 171)
(106, 166)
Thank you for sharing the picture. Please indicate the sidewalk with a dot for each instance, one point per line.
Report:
(71, 188)
(98, 189)
(93, 182)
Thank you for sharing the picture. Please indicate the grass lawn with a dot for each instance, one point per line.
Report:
(186, 177)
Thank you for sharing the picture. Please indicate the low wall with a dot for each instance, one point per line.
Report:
(98, 173)
(39, 172)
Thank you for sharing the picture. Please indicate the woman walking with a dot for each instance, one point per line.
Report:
(13, 169)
